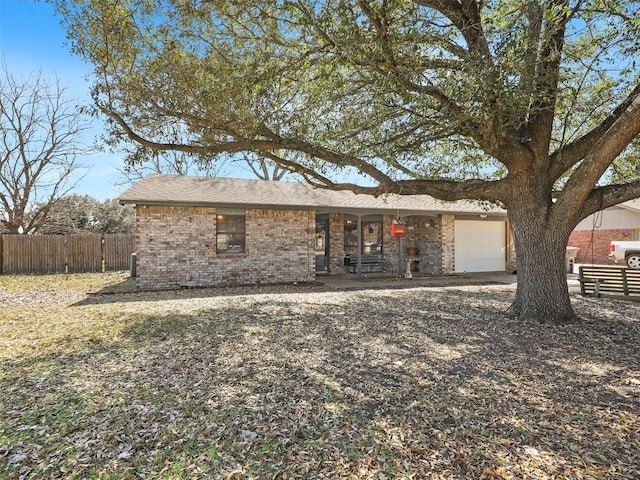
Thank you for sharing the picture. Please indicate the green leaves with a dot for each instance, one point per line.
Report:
(344, 82)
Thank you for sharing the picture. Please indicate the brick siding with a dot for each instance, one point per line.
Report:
(176, 247)
(423, 233)
(336, 243)
(596, 250)
(448, 225)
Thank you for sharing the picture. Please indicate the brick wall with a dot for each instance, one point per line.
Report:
(425, 234)
(448, 226)
(176, 247)
(336, 243)
(390, 244)
(596, 251)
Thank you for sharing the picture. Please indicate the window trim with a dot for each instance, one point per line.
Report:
(352, 220)
(231, 212)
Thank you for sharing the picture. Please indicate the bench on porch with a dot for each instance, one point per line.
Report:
(609, 281)
(368, 262)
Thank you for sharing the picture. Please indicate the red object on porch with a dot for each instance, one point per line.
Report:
(397, 228)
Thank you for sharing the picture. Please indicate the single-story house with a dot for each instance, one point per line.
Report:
(594, 234)
(196, 232)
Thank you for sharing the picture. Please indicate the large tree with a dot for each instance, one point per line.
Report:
(525, 103)
(145, 161)
(84, 214)
(41, 137)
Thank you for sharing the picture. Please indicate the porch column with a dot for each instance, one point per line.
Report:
(447, 225)
(359, 252)
(400, 255)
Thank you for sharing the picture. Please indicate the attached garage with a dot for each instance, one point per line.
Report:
(210, 232)
(480, 246)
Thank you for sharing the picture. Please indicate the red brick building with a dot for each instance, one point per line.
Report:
(594, 234)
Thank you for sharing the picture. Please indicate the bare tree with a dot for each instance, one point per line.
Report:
(264, 168)
(41, 138)
(145, 162)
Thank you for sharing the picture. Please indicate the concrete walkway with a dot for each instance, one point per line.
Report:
(377, 280)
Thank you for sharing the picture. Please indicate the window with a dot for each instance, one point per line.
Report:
(350, 237)
(230, 232)
(371, 235)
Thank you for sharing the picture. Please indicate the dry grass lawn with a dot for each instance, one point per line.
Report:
(303, 382)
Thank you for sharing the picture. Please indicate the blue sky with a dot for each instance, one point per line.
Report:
(32, 39)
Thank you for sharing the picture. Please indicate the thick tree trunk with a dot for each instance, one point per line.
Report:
(542, 293)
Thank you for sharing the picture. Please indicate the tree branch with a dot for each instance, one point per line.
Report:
(541, 113)
(602, 153)
(448, 190)
(571, 154)
(465, 16)
(609, 196)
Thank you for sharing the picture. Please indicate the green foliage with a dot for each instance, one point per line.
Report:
(395, 85)
(85, 214)
(627, 167)
(531, 104)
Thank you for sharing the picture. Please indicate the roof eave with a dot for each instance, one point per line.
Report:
(318, 209)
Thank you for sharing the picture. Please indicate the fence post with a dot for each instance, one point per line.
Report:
(65, 249)
(103, 254)
(1, 253)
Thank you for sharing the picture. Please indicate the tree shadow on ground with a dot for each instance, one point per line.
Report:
(125, 291)
(121, 293)
(435, 384)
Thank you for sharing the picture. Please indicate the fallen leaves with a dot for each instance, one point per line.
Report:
(307, 383)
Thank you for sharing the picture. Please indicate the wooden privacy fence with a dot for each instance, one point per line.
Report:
(65, 253)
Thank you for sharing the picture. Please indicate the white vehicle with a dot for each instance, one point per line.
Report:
(626, 251)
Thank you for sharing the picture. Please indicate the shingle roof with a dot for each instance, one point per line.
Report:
(219, 192)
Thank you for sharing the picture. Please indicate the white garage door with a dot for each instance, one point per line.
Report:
(480, 246)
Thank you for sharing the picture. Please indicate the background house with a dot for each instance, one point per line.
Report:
(194, 231)
(594, 234)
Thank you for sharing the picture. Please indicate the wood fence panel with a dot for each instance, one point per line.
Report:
(84, 253)
(33, 254)
(118, 248)
(12, 255)
(9, 254)
(65, 253)
(50, 256)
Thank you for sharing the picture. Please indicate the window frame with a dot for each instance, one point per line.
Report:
(234, 231)
(350, 225)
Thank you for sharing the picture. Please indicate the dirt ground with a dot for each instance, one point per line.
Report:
(307, 382)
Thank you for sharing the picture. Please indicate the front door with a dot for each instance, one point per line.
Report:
(322, 245)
